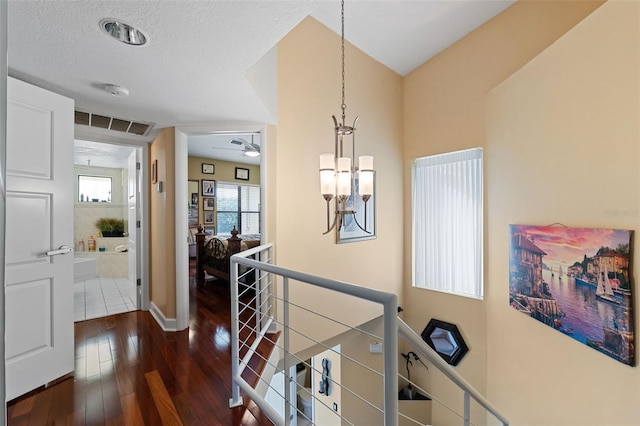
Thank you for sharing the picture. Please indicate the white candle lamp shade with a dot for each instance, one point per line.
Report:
(327, 182)
(344, 164)
(344, 176)
(344, 183)
(327, 162)
(366, 163)
(365, 183)
(327, 175)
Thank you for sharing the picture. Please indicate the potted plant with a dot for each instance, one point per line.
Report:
(110, 226)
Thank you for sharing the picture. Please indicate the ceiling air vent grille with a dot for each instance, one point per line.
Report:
(82, 118)
(111, 123)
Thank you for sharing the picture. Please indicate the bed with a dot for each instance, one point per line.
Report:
(213, 253)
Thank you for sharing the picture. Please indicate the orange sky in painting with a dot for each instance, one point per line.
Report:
(569, 245)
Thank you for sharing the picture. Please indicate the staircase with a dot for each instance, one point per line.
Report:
(260, 361)
(365, 388)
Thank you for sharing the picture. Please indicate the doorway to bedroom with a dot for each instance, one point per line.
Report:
(224, 191)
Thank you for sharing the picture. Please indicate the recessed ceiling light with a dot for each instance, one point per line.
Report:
(123, 32)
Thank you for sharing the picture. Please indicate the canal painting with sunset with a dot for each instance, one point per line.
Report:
(577, 281)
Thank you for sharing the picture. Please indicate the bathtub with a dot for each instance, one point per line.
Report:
(84, 268)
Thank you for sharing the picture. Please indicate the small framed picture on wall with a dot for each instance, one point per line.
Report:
(208, 217)
(208, 169)
(242, 174)
(208, 188)
(209, 203)
(154, 171)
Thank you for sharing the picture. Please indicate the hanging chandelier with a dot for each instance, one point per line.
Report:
(340, 177)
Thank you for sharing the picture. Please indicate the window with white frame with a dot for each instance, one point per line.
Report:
(239, 206)
(447, 223)
(94, 188)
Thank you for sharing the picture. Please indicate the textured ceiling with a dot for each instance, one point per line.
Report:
(204, 58)
(219, 146)
(87, 153)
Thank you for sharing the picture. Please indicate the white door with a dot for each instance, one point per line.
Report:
(39, 222)
(133, 173)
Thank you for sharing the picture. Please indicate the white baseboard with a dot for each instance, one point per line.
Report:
(167, 324)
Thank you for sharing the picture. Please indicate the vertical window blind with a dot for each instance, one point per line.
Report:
(447, 223)
(239, 206)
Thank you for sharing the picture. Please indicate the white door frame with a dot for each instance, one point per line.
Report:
(3, 169)
(182, 178)
(134, 205)
(143, 243)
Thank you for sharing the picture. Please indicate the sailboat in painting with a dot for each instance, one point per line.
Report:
(603, 289)
(559, 272)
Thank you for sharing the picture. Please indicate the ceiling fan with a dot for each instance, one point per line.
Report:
(249, 149)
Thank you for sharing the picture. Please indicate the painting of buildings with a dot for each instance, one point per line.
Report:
(577, 281)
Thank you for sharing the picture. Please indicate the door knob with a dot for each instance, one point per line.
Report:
(64, 249)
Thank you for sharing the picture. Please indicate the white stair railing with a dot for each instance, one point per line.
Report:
(253, 301)
(432, 356)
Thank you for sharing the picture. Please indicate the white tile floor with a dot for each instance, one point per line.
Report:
(99, 297)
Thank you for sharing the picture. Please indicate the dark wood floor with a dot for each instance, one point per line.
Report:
(129, 372)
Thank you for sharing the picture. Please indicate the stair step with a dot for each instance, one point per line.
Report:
(257, 363)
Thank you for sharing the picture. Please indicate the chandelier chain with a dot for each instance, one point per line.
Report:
(343, 106)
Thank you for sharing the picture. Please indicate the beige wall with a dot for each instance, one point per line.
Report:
(445, 110)
(308, 95)
(162, 262)
(363, 378)
(570, 122)
(224, 172)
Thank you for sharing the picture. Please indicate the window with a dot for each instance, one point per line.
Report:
(447, 223)
(94, 188)
(239, 206)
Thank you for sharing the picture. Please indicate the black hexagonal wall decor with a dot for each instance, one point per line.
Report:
(445, 338)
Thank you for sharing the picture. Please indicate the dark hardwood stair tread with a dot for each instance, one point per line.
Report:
(258, 361)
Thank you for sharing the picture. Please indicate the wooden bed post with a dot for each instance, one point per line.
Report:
(199, 250)
(234, 242)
